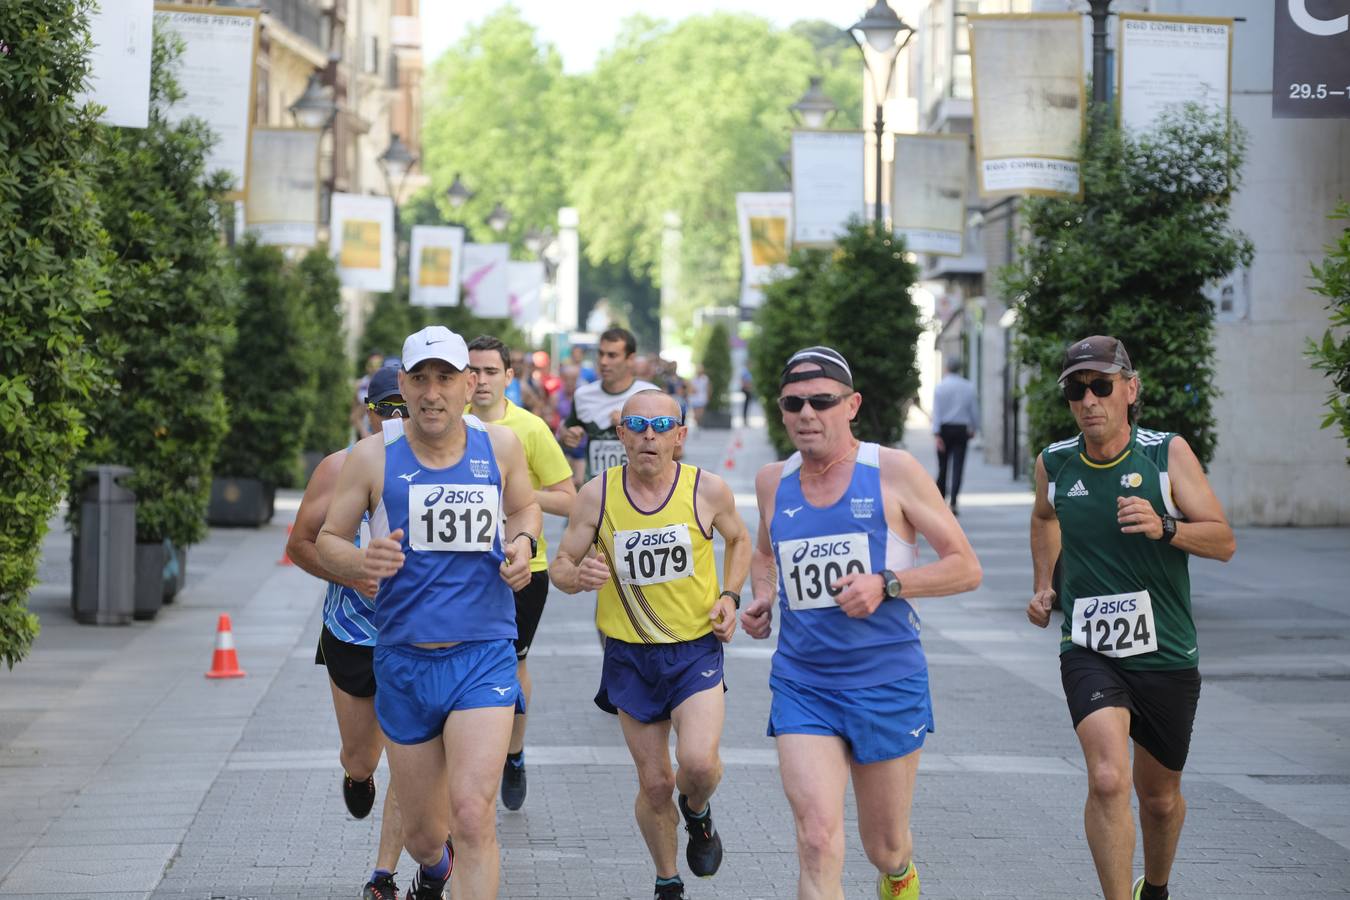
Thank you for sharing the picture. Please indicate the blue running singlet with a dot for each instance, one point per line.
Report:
(449, 588)
(813, 547)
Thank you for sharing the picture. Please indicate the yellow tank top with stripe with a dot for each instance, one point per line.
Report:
(663, 575)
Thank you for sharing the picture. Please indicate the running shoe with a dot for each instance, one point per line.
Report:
(902, 887)
(513, 784)
(358, 795)
(1138, 890)
(432, 890)
(704, 852)
(670, 892)
(382, 888)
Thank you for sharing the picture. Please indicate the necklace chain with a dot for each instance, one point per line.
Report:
(832, 463)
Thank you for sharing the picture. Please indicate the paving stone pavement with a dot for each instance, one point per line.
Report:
(125, 774)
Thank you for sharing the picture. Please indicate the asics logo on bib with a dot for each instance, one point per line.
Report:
(650, 539)
(823, 549)
(1109, 607)
(440, 493)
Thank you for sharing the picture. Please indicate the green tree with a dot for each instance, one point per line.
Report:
(1130, 259)
(53, 254)
(266, 381)
(326, 348)
(856, 300)
(1331, 355)
(170, 321)
(716, 360)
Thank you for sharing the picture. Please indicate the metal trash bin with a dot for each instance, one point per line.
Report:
(105, 562)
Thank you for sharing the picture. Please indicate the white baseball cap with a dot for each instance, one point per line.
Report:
(435, 342)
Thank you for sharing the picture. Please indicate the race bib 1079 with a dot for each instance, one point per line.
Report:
(458, 518)
(1115, 625)
(809, 567)
(653, 555)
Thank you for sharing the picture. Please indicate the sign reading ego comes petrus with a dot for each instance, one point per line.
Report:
(1312, 59)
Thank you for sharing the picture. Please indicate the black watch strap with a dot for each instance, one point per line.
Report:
(1169, 529)
(735, 597)
(890, 585)
(534, 543)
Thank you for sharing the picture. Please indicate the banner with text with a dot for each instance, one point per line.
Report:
(827, 185)
(484, 280)
(524, 292)
(928, 192)
(215, 74)
(361, 240)
(119, 61)
(434, 257)
(1312, 60)
(282, 205)
(1165, 61)
(1030, 102)
(766, 226)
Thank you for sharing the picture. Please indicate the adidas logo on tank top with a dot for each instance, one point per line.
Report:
(1078, 490)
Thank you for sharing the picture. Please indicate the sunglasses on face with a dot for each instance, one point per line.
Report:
(794, 404)
(638, 424)
(1077, 390)
(387, 409)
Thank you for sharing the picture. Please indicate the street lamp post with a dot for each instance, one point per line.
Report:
(880, 35)
(499, 218)
(458, 193)
(1099, 12)
(814, 109)
(396, 161)
(315, 108)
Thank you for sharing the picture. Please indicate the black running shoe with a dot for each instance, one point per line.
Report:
(358, 795)
(670, 892)
(382, 888)
(426, 890)
(513, 785)
(704, 852)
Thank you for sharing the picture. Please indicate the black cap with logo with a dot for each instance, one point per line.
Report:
(1098, 353)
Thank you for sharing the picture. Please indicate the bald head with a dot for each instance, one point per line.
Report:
(651, 402)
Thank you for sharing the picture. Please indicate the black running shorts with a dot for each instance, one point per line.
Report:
(1161, 702)
(351, 666)
(529, 610)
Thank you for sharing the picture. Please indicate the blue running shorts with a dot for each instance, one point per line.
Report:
(877, 723)
(419, 688)
(647, 681)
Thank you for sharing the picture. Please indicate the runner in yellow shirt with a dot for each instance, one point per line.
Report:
(551, 476)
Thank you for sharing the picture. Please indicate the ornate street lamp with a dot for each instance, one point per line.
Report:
(499, 218)
(396, 161)
(880, 35)
(457, 193)
(315, 107)
(815, 109)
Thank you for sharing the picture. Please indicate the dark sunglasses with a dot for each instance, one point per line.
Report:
(387, 409)
(660, 424)
(1077, 390)
(794, 404)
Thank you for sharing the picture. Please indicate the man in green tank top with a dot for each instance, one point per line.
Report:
(1123, 508)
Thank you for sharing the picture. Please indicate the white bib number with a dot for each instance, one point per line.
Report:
(654, 555)
(604, 454)
(1116, 625)
(459, 518)
(811, 566)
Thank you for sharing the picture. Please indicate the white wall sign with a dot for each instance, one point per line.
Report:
(484, 280)
(1030, 102)
(434, 259)
(765, 221)
(1168, 60)
(827, 185)
(282, 205)
(119, 62)
(524, 287)
(361, 240)
(928, 192)
(216, 75)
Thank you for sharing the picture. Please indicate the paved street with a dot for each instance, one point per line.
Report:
(126, 774)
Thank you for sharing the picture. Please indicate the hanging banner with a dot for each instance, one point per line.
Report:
(524, 292)
(1312, 60)
(282, 205)
(827, 185)
(1030, 102)
(434, 261)
(119, 61)
(1169, 60)
(215, 73)
(928, 192)
(766, 226)
(484, 280)
(361, 240)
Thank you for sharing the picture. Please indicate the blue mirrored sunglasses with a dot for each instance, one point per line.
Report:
(638, 424)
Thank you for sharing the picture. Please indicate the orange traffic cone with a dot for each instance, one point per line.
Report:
(225, 662)
(286, 557)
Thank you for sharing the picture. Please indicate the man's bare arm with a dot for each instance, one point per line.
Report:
(1205, 531)
(956, 569)
(757, 616)
(557, 499)
(572, 569)
(300, 546)
(354, 495)
(726, 521)
(1045, 547)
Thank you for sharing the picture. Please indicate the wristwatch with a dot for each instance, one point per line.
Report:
(891, 584)
(534, 543)
(1169, 529)
(735, 597)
